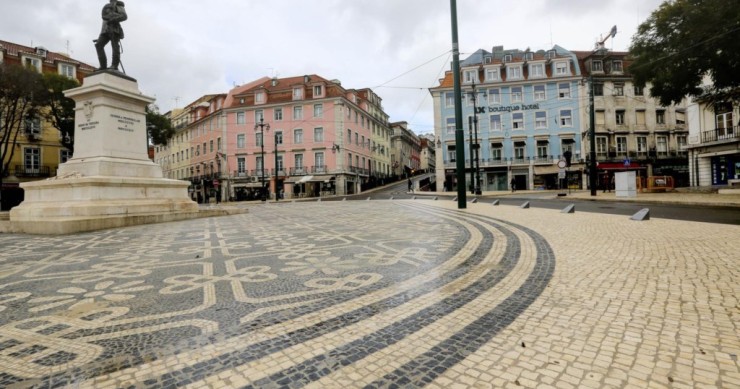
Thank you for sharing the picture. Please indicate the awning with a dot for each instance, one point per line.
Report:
(542, 170)
(247, 185)
(298, 179)
(322, 178)
(619, 166)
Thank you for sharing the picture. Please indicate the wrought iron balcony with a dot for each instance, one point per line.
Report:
(24, 171)
(721, 134)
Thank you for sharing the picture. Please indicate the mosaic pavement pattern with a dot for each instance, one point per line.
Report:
(198, 299)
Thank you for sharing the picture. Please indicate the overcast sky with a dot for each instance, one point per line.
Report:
(181, 50)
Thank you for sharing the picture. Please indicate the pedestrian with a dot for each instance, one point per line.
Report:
(607, 186)
(513, 185)
(411, 186)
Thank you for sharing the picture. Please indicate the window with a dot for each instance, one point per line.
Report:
(278, 137)
(561, 69)
(597, 66)
(349, 136)
(680, 118)
(564, 90)
(517, 121)
(33, 127)
(451, 153)
(642, 144)
(514, 73)
(259, 98)
(497, 151)
(492, 74)
(598, 89)
(516, 94)
(495, 122)
(349, 159)
(662, 144)
(259, 116)
(258, 163)
(318, 91)
(566, 119)
(618, 89)
(660, 117)
(567, 145)
(622, 145)
(67, 70)
(537, 70)
(64, 155)
(540, 120)
(241, 118)
(211, 144)
(617, 66)
(241, 166)
(278, 114)
(601, 144)
(519, 150)
(298, 112)
(681, 141)
(297, 93)
(470, 76)
(494, 96)
(318, 110)
(539, 93)
(357, 138)
(297, 136)
(32, 159)
(451, 125)
(600, 118)
(318, 134)
(32, 62)
(640, 118)
(258, 139)
(318, 159)
(508, 58)
(449, 100)
(218, 144)
(299, 161)
(619, 116)
(280, 165)
(639, 91)
(542, 149)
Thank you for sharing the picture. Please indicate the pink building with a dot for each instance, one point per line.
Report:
(303, 137)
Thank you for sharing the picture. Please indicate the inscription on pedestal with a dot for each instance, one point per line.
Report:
(87, 126)
(124, 122)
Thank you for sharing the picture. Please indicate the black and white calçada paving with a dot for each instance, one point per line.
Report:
(362, 293)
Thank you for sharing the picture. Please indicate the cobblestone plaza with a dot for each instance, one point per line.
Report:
(378, 294)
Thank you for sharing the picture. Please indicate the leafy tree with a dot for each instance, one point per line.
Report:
(61, 109)
(682, 42)
(22, 95)
(158, 126)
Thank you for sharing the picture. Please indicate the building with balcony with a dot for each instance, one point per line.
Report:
(714, 143)
(38, 150)
(521, 113)
(405, 150)
(633, 131)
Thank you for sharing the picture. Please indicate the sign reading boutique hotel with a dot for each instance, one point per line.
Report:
(508, 108)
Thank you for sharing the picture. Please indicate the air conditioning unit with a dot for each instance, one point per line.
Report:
(254, 179)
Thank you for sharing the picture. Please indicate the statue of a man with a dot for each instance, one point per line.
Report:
(113, 14)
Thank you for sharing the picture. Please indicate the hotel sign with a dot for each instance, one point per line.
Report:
(507, 108)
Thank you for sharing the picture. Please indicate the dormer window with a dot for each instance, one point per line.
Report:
(492, 74)
(561, 69)
(552, 54)
(67, 70)
(528, 56)
(297, 93)
(507, 58)
(513, 72)
(617, 66)
(32, 62)
(259, 98)
(488, 60)
(470, 76)
(318, 91)
(597, 66)
(536, 70)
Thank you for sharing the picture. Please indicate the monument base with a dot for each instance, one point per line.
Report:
(77, 204)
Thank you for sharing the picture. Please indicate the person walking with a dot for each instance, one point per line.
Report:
(513, 184)
(411, 186)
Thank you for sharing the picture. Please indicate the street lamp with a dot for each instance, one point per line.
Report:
(263, 127)
(475, 147)
(277, 170)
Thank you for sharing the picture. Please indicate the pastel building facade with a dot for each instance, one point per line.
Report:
(528, 111)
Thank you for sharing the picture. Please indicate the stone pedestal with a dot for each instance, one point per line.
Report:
(110, 181)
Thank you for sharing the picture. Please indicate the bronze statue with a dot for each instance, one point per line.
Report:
(113, 14)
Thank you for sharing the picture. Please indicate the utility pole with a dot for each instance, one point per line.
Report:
(470, 135)
(459, 135)
(277, 169)
(592, 136)
(263, 127)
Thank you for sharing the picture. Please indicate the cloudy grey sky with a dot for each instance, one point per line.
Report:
(179, 50)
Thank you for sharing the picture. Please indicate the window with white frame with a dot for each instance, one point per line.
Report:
(298, 112)
(619, 117)
(516, 94)
(537, 70)
(494, 96)
(660, 117)
(567, 145)
(562, 69)
(259, 116)
(32, 62)
(318, 110)
(33, 126)
(451, 125)
(622, 145)
(449, 99)
(597, 66)
(67, 70)
(258, 139)
(543, 149)
(470, 76)
(451, 153)
(32, 159)
(299, 161)
(514, 72)
(540, 120)
(641, 144)
(539, 93)
(497, 151)
(259, 163)
(318, 91)
(259, 98)
(278, 114)
(297, 136)
(661, 143)
(681, 142)
(601, 144)
(566, 118)
(520, 150)
(279, 137)
(241, 166)
(618, 89)
(241, 118)
(318, 159)
(495, 122)
(517, 121)
(617, 66)
(298, 93)
(564, 90)
(280, 165)
(492, 74)
(318, 134)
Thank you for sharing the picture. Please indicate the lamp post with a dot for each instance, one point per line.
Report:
(263, 127)
(277, 170)
(475, 147)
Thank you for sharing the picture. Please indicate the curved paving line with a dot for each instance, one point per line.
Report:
(257, 351)
(427, 367)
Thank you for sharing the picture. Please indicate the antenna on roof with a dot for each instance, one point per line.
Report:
(612, 34)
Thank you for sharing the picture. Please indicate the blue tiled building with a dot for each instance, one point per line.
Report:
(529, 108)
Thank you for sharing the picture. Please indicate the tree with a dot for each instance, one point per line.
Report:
(159, 127)
(22, 94)
(61, 109)
(682, 42)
